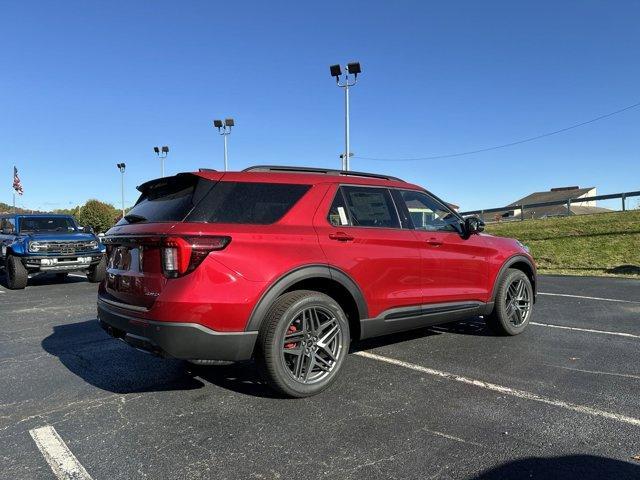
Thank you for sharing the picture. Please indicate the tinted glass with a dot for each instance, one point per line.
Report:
(247, 202)
(371, 207)
(338, 211)
(427, 213)
(168, 200)
(7, 225)
(46, 224)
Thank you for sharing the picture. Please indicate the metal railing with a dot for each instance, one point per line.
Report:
(571, 201)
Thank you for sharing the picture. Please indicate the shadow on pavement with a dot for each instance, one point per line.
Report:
(104, 362)
(475, 326)
(582, 467)
(88, 352)
(44, 279)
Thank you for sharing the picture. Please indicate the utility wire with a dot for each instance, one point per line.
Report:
(505, 145)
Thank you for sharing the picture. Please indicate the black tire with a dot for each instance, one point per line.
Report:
(17, 274)
(97, 272)
(271, 346)
(505, 320)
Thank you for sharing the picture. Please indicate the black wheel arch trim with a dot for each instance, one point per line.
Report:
(305, 272)
(506, 265)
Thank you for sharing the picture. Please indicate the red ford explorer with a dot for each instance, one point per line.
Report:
(288, 265)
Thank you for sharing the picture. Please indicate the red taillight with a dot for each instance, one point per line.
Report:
(181, 255)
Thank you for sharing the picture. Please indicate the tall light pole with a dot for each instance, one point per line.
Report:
(354, 69)
(224, 129)
(121, 167)
(161, 152)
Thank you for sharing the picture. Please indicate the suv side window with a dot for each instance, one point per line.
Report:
(7, 225)
(367, 207)
(338, 215)
(427, 213)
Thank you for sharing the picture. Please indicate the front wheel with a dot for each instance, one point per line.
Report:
(17, 274)
(303, 343)
(97, 272)
(513, 304)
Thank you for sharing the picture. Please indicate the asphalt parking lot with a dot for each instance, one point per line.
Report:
(559, 401)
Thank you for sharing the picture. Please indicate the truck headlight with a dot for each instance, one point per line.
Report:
(38, 246)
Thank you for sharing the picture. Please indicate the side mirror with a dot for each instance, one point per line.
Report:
(87, 229)
(473, 225)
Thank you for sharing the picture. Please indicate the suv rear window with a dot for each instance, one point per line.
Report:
(247, 202)
(166, 200)
(194, 199)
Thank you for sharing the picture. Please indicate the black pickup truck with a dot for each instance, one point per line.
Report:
(32, 243)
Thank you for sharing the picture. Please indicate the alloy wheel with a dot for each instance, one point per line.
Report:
(312, 345)
(518, 302)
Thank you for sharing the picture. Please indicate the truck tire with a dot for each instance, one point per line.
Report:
(513, 304)
(303, 342)
(17, 274)
(97, 272)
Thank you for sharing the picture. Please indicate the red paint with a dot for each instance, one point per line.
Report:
(392, 267)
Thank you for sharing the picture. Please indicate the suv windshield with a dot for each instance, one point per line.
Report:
(47, 224)
(194, 199)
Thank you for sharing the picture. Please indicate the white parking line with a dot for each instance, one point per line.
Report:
(505, 390)
(64, 464)
(587, 298)
(589, 330)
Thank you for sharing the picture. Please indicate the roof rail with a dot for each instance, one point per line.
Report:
(326, 171)
(207, 170)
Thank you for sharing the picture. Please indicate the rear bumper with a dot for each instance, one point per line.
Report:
(187, 341)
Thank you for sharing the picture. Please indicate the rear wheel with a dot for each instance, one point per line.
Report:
(303, 343)
(513, 304)
(17, 274)
(97, 272)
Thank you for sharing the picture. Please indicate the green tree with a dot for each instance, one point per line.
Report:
(98, 215)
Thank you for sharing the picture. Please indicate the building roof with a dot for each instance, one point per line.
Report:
(553, 195)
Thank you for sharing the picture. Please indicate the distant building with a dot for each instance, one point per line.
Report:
(560, 194)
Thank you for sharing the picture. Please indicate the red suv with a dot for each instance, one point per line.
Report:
(288, 265)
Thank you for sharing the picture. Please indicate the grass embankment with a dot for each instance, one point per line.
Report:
(601, 244)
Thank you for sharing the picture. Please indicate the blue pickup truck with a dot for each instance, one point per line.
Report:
(48, 243)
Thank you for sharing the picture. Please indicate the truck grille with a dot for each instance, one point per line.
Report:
(62, 248)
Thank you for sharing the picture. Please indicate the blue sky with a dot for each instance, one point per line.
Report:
(86, 84)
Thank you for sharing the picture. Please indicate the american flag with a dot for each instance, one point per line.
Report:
(17, 184)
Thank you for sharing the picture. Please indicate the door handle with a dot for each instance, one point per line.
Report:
(341, 237)
(434, 242)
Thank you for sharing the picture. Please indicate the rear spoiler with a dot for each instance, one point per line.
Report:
(160, 182)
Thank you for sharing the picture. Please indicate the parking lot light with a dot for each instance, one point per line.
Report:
(122, 167)
(162, 154)
(353, 69)
(224, 129)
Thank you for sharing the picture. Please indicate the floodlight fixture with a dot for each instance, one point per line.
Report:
(335, 70)
(165, 149)
(217, 123)
(354, 68)
(156, 149)
(228, 122)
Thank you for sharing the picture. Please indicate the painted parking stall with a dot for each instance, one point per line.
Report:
(444, 402)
